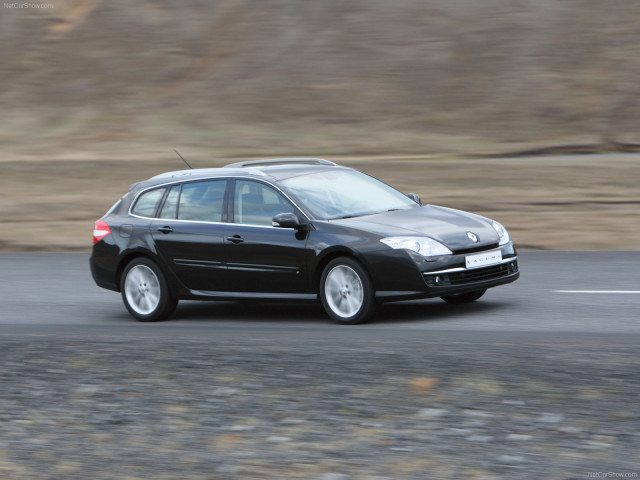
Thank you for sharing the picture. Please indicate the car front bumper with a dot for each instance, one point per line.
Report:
(420, 277)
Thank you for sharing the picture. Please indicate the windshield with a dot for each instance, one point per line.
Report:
(334, 194)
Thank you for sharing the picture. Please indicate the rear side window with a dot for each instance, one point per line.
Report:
(202, 201)
(170, 207)
(147, 203)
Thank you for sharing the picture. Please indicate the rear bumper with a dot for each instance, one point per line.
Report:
(102, 270)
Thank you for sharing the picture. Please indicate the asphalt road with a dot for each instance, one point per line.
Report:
(561, 296)
(538, 379)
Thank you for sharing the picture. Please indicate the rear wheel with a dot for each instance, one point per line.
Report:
(347, 292)
(145, 292)
(460, 298)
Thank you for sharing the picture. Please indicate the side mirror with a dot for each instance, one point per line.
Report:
(286, 220)
(415, 197)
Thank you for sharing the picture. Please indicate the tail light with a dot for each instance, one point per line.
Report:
(100, 231)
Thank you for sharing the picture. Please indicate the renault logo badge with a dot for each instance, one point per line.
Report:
(473, 237)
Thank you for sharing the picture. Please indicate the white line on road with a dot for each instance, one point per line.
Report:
(597, 291)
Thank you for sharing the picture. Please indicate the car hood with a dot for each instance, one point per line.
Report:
(446, 225)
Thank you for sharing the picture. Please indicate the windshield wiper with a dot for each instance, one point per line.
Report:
(366, 213)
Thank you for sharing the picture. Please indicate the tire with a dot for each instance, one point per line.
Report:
(145, 292)
(461, 298)
(346, 291)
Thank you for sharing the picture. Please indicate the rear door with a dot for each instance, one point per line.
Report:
(189, 233)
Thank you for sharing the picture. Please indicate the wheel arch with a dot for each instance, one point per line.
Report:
(125, 260)
(327, 257)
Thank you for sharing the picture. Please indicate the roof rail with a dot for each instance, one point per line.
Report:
(319, 161)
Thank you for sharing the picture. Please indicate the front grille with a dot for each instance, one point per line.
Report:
(475, 249)
(471, 275)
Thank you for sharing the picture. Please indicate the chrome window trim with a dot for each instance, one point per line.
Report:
(463, 269)
(208, 223)
(183, 181)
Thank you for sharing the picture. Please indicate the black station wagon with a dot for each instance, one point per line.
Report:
(292, 229)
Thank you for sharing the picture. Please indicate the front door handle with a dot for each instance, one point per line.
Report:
(235, 239)
(166, 229)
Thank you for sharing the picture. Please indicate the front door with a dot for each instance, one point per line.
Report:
(260, 257)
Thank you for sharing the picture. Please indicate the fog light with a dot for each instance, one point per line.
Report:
(437, 280)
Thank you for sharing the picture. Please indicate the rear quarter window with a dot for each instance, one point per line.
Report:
(147, 203)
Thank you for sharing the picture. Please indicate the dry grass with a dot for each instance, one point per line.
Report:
(586, 202)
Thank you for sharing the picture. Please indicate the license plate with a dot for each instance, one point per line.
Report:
(483, 259)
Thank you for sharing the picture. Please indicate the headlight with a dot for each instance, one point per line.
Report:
(425, 246)
(502, 232)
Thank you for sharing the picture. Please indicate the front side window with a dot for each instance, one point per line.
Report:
(202, 201)
(147, 203)
(333, 194)
(256, 203)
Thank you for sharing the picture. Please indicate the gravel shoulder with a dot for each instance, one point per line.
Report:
(191, 408)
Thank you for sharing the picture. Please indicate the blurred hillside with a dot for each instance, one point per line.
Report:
(268, 77)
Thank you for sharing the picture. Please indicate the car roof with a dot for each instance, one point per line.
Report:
(273, 169)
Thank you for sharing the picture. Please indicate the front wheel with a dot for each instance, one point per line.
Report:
(145, 292)
(347, 292)
(460, 298)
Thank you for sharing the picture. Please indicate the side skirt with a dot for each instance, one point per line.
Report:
(239, 296)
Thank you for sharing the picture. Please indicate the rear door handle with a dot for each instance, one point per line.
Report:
(235, 239)
(166, 229)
